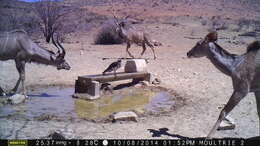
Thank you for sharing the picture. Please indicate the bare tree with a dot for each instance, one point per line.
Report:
(13, 20)
(51, 14)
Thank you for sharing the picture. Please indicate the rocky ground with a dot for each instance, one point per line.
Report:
(205, 89)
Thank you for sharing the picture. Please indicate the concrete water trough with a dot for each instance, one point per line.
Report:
(135, 69)
(91, 84)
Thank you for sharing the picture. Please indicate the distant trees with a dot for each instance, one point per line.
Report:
(13, 19)
(51, 14)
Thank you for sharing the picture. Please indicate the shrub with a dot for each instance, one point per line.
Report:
(108, 35)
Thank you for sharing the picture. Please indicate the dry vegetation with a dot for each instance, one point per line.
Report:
(107, 34)
(77, 16)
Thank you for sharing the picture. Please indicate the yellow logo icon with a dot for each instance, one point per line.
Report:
(17, 142)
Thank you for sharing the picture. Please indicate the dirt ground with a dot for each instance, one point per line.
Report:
(205, 89)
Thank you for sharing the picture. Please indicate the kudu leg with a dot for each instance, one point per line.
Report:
(152, 47)
(154, 56)
(233, 101)
(14, 90)
(144, 49)
(257, 97)
(2, 93)
(20, 66)
(127, 50)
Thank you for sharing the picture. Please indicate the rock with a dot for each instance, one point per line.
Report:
(144, 83)
(16, 99)
(125, 116)
(195, 73)
(45, 117)
(234, 27)
(141, 84)
(174, 24)
(62, 134)
(204, 22)
(136, 65)
(218, 23)
(107, 87)
(138, 85)
(227, 124)
(56, 135)
(81, 52)
(156, 81)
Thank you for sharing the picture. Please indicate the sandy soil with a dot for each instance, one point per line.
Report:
(205, 89)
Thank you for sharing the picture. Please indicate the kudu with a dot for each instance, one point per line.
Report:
(244, 71)
(17, 45)
(132, 36)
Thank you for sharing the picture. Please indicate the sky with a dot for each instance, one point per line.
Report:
(29, 0)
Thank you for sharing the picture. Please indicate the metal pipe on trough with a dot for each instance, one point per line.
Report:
(112, 77)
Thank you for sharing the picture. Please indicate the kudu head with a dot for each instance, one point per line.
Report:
(202, 47)
(120, 25)
(59, 57)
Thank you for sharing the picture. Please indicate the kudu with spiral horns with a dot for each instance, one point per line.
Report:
(17, 45)
(244, 71)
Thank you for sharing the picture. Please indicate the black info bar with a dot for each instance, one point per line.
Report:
(133, 142)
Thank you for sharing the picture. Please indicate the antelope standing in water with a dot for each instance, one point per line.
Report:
(16, 45)
(244, 71)
(132, 36)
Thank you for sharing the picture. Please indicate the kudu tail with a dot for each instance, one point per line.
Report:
(253, 47)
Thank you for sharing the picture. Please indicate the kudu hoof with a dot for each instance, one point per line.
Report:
(3, 94)
(209, 136)
(12, 92)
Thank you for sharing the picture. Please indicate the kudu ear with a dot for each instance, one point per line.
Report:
(122, 24)
(116, 21)
(127, 17)
(212, 37)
